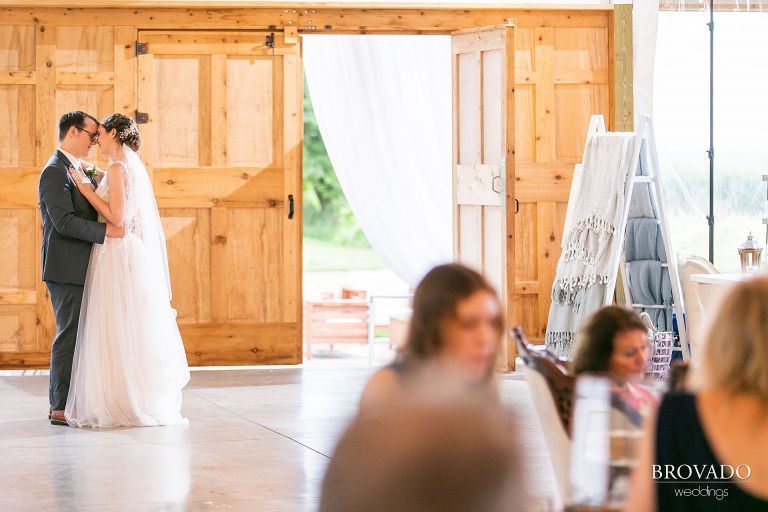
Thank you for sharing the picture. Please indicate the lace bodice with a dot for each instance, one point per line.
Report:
(132, 221)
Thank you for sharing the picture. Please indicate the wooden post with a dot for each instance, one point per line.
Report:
(623, 111)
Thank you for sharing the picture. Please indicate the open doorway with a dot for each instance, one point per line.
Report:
(355, 307)
(377, 174)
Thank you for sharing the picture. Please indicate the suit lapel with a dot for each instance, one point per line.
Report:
(67, 164)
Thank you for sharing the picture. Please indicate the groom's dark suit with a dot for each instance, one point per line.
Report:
(70, 229)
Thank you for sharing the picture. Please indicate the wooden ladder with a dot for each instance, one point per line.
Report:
(644, 131)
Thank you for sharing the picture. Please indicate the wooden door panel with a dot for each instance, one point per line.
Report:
(18, 122)
(246, 264)
(188, 236)
(18, 329)
(574, 104)
(525, 133)
(468, 71)
(17, 48)
(223, 188)
(251, 100)
(566, 83)
(176, 117)
(482, 68)
(85, 49)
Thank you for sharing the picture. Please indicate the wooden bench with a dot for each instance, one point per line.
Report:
(335, 321)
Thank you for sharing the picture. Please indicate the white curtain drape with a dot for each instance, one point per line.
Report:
(383, 106)
(645, 23)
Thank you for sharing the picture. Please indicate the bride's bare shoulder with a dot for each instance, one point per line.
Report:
(117, 165)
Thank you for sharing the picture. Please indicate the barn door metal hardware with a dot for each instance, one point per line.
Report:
(517, 206)
(271, 40)
(290, 206)
(141, 117)
(142, 48)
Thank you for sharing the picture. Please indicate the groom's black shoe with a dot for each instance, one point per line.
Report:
(57, 418)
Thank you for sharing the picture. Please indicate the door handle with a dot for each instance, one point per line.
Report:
(290, 206)
(493, 184)
(517, 206)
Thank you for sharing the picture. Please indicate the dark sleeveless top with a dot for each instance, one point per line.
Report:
(681, 442)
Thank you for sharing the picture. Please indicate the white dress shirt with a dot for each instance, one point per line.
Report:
(72, 160)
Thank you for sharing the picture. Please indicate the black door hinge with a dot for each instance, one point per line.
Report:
(142, 48)
(141, 117)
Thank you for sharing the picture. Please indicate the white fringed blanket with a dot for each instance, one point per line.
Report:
(590, 244)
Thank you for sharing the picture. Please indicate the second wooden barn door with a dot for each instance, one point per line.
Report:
(523, 98)
(483, 185)
(223, 141)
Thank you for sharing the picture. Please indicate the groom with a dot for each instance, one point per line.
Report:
(70, 228)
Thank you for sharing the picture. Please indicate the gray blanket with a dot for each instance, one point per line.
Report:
(644, 241)
(649, 284)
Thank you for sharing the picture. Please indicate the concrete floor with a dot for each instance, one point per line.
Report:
(258, 440)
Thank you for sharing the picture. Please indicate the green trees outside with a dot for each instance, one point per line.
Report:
(333, 239)
(327, 215)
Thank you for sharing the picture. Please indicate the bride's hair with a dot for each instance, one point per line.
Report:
(127, 130)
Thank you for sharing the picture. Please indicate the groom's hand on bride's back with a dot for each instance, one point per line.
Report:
(115, 231)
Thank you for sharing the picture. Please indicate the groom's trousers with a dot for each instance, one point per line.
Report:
(66, 300)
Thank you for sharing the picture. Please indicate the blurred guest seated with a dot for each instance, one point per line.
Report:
(438, 454)
(614, 342)
(708, 451)
(456, 324)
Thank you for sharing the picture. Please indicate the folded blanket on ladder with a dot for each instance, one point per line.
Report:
(649, 284)
(590, 246)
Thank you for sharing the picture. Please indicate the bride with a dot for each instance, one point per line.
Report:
(129, 364)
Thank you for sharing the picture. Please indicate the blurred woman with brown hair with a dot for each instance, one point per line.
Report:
(614, 342)
(457, 325)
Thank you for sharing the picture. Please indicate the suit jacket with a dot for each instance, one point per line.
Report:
(70, 226)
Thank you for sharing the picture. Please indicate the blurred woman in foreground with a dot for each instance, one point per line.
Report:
(723, 427)
(456, 328)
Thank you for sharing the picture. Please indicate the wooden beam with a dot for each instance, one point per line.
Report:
(18, 78)
(24, 360)
(125, 66)
(441, 21)
(322, 18)
(16, 296)
(222, 186)
(622, 93)
(291, 6)
(236, 344)
(89, 78)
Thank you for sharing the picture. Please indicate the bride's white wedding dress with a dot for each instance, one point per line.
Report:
(129, 365)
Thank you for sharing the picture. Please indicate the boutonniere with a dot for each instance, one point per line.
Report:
(91, 172)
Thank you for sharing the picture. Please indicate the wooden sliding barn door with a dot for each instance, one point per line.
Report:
(45, 71)
(523, 98)
(561, 78)
(483, 156)
(223, 134)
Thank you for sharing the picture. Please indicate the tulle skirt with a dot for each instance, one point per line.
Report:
(129, 364)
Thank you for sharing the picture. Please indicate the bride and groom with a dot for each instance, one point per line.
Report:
(117, 358)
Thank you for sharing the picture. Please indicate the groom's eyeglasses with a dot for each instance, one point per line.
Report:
(93, 136)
